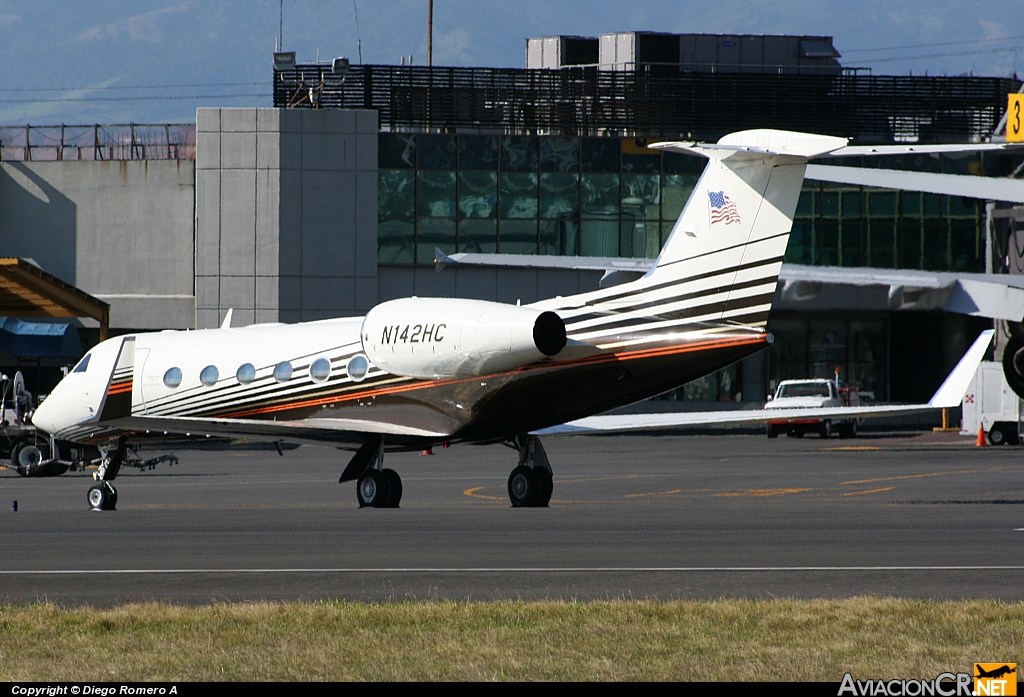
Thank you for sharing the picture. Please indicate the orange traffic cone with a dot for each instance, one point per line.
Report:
(982, 439)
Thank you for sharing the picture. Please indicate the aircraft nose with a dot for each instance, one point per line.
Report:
(44, 416)
(61, 410)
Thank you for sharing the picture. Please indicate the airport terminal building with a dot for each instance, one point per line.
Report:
(337, 198)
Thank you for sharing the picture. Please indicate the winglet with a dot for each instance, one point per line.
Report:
(441, 260)
(226, 324)
(951, 393)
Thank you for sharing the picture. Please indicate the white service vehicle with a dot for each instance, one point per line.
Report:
(811, 394)
(991, 403)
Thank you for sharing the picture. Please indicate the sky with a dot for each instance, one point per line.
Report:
(156, 61)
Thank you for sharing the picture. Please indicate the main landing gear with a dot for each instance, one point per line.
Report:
(102, 495)
(530, 484)
(376, 487)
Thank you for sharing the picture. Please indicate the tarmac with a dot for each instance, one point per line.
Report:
(916, 515)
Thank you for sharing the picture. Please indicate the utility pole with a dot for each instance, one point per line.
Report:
(430, 33)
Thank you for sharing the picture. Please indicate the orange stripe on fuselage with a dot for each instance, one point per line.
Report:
(119, 389)
(424, 384)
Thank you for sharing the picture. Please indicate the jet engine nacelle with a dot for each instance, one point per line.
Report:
(453, 338)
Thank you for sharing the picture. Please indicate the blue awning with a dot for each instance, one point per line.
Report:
(23, 339)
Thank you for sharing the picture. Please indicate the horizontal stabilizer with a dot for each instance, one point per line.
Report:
(759, 143)
(913, 149)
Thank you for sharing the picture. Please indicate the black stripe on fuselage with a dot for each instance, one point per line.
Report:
(596, 302)
(573, 327)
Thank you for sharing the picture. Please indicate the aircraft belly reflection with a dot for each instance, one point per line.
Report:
(419, 372)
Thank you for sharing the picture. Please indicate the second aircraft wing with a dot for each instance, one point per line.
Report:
(948, 395)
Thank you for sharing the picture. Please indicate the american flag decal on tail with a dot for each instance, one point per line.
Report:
(723, 209)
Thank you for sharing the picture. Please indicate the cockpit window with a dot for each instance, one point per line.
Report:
(83, 364)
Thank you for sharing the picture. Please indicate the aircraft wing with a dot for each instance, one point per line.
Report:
(314, 430)
(948, 395)
(984, 188)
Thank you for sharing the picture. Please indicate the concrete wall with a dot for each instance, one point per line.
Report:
(122, 231)
(286, 209)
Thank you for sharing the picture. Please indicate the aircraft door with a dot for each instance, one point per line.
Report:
(144, 381)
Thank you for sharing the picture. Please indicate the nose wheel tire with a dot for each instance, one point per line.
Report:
(526, 488)
(102, 497)
(373, 489)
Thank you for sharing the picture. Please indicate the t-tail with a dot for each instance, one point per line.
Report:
(722, 260)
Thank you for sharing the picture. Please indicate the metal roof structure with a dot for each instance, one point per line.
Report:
(28, 291)
(586, 101)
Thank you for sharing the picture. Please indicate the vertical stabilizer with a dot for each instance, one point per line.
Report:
(723, 257)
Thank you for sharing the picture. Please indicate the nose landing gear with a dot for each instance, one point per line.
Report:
(102, 496)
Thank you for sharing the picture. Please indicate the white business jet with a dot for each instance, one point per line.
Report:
(419, 372)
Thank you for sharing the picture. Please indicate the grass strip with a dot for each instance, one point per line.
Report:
(509, 640)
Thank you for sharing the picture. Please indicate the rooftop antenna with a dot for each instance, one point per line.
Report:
(280, 28)
(430, 34)
(359, 41)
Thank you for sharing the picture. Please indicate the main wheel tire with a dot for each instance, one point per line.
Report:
(102, 497)
(524, 487)
(996, 436)
(772, 430)
(26, 455)
(396, 488)
(547, 485)
(825, 430)
(373, 489)
(1013, 362)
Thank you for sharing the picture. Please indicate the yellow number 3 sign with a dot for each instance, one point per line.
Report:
(1015, 119)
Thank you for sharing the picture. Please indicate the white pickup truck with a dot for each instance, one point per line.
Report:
(808, 394)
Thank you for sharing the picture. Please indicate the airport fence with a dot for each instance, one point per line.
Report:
(172, 141)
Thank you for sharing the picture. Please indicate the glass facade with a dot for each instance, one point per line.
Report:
(569, 196)
(810, 346)
(613, 197)
(844, 225)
